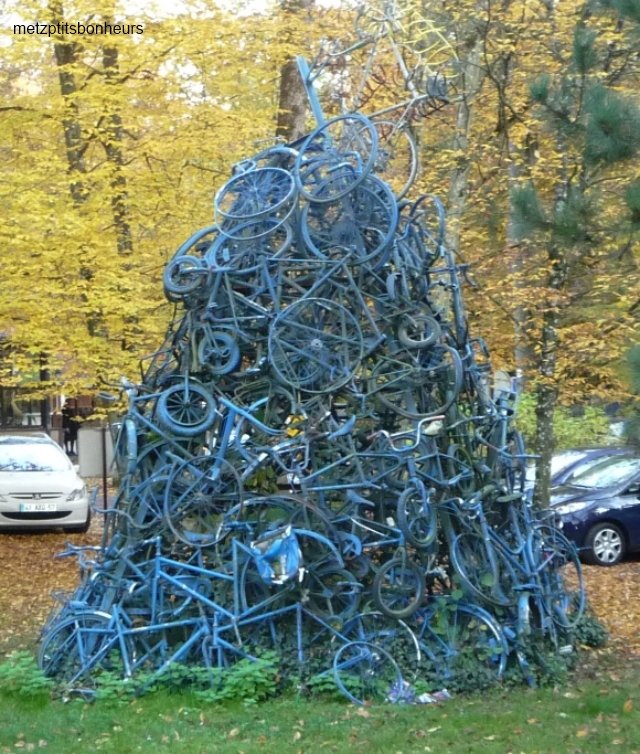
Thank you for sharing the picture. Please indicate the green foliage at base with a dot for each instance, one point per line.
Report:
(20, 674)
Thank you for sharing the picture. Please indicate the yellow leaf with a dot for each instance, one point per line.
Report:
(628, 705)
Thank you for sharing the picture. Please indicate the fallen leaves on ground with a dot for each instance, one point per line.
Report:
(613, 595)
(29, 573)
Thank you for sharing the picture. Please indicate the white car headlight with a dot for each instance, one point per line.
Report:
(571, 507)
(77, 494)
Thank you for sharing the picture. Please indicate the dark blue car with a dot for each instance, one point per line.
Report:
(600, 509)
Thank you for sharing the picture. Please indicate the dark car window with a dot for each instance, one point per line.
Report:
(610, 473)
(32, 457)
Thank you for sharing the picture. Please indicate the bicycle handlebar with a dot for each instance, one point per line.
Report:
(436, 420)
(474, 502)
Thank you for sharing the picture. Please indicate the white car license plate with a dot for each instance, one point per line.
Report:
(38, 507)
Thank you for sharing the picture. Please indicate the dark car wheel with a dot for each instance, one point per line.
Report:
(605, 545)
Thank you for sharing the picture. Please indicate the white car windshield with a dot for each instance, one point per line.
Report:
(559, 462)
(562, 461)
(32, 457)
(610, 473)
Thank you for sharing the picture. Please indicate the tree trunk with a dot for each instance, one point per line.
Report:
(472, 77)
(546, 390)
(111, 141)
(66, 55)
(292, 99)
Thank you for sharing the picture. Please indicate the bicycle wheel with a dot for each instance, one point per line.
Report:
(390, 634)
(218, 351)
(183, 275)
(245, 248)
(186, 409)
(363, 222)
(198, 495)
(366, 673)
(466, 643)
(470, 558)
(418, 386)
(146, 506)
(341, 152)
(253, 517)
(427, 216)
(399, 588)
(276, 413)
(79, 649)
(396, 161)
(509, 466)
(315, 345)
(256, 596)
(418, 331)
(255, 194)
(331, 593)
(561, 577)
(459, 466)
(416, 516)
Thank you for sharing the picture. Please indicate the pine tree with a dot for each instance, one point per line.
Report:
(595, 131)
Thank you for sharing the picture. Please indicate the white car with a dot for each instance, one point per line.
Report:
(39, 486)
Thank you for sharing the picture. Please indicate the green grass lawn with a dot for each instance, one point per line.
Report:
(597, 711)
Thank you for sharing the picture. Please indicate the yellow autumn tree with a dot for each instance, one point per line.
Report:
(114, 148)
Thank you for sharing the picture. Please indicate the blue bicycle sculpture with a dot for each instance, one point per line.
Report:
(320, 343)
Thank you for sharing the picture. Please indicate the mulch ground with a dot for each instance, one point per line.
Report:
(30, 572)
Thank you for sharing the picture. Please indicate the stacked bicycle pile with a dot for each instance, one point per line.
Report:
(313, 461)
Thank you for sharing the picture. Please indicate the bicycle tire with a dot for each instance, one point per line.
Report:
(186, 409)
(330, 593)
(397, 157)
(321, 155)
(315, 345)
(127, 447)
(408, 388)
(463, 637)
(247, 247)
(199, 493)
(391, 634)
(562, 580)
(366, 673)
(427, 213)
(78, 648)
(471, 561)
(399, 588)
(183, 275)
(363, 222)
(426, 329)
(218, 352)
(417, 518)
(254, 194)
(460, 464)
